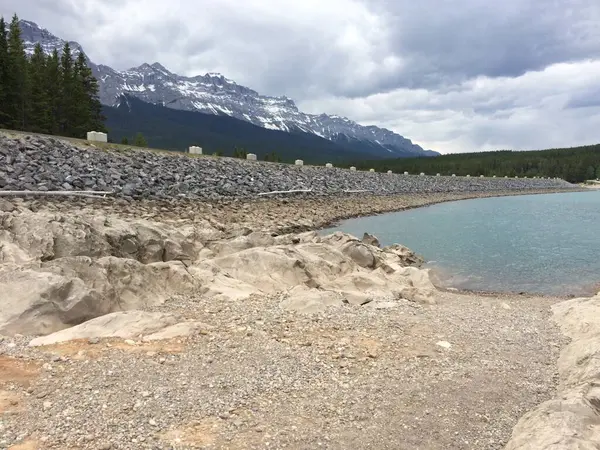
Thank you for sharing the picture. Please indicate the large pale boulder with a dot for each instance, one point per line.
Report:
(35, 302)
(360, 253)
(68, 291)
(124, 324)
(307, 300)
(270, 269)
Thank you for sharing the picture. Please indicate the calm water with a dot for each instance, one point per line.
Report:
(534, 243)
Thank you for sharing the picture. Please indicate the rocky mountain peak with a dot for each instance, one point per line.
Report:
(213, 93)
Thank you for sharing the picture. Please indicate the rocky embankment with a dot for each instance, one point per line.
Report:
(47, 164)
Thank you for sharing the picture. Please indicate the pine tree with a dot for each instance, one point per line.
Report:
(89, 92)
(124, 141)
(17, 84)
(52, 86)
(140, 140)
(39, 104)
(68, 110)
(4, 80)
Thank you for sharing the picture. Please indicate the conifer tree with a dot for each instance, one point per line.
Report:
(94, 118)
(17, 83)
(67, 107)
(39, 105)
(4, 80)
(52, 85)
(140, 140)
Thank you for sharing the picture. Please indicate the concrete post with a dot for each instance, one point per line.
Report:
(195, 150)
(437, 175)
(389, 172)
(251, 157)
(329, 165)
(405, 173)
(371, 170)
(353, 168)
(299, 162)
(422, 174)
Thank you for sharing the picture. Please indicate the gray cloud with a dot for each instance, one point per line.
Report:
(455, 76)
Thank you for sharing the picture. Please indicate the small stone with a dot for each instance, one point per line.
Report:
(93, 340)
(129, 342)
(444, 344)
(47, 405)
(152, 422)
(146, 394)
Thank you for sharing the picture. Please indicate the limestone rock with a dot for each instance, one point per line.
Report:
(306, 300)
(125, 325)
(369, 239)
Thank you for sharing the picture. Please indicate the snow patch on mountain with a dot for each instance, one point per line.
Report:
(213, 93)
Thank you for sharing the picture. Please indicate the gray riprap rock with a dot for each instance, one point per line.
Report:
(68, 167)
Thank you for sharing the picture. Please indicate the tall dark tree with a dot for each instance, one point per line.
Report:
(88, 90)
(4, 79)
(17, 83)
(67, 103)
(39, 104)
(52, 85)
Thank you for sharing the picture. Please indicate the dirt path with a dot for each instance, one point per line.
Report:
(456, 375)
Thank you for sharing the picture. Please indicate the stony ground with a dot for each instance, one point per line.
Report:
(456, 375)
(387, 375)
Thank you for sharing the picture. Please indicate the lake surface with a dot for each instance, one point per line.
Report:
(547, 244)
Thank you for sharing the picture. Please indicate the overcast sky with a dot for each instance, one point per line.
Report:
(452, 75)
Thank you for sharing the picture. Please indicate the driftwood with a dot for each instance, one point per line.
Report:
(87, 194)
(285, 192)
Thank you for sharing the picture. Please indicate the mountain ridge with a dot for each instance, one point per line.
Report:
(213, 93)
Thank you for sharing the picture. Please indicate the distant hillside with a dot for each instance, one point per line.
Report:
(175, 129)
(574, 164)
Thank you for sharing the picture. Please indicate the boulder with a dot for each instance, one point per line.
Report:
(309, 301)
(181, 329)
(40, 302)
(69, 291)
(124, 324)
(369, 239)
(360, 253)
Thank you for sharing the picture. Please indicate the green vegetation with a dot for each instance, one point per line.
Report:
(140, 140)
(572, 164)
(46, 94)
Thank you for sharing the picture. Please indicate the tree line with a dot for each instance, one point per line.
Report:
(574, 164)
(51, 94)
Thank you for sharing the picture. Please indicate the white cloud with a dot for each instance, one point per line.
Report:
(453, 76)
(532, 111)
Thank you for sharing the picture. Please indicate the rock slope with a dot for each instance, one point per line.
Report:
(42, 164)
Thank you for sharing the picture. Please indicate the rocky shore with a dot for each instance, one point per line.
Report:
(160, 321)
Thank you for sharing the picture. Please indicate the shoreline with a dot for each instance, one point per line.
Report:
(273, 313)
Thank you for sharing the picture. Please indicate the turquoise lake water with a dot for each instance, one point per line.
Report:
(548, 244)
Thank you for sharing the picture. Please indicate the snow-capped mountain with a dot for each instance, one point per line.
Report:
(215, 94)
